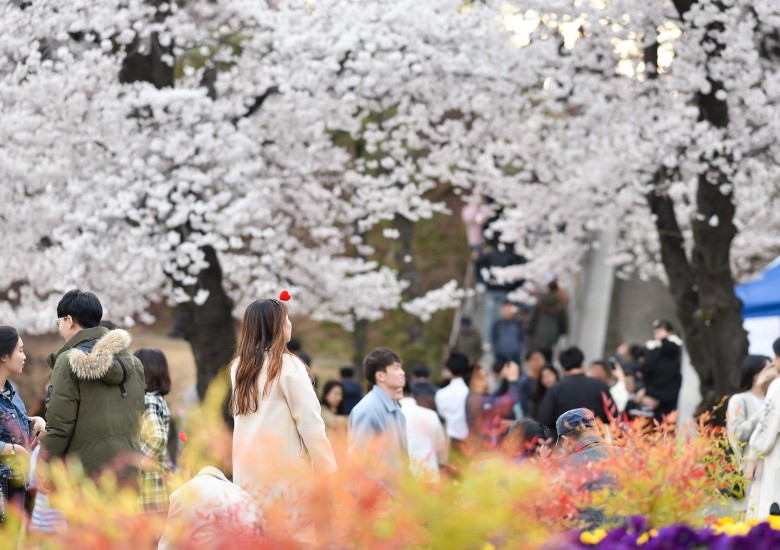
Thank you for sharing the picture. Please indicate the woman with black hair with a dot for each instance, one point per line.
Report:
(548, 377)
(744, 409)
(18, 432)
(155, 428)
(744, 414)
(332, 396)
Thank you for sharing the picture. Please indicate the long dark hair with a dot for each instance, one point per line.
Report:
(540, 390)
(751, 366)
(261, 343)
(9, 338)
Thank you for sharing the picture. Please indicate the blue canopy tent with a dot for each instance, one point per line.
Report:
(762, 296)
(761, 311)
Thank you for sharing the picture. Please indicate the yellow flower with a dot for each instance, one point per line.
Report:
(644, 537)
(732, 528)
(593, 537)
(488, 546)
(774, 522)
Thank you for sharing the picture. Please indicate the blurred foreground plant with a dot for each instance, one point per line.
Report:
(498, 503)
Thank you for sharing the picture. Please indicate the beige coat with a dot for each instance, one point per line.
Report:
(279, 448)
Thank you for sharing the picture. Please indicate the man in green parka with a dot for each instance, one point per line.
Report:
(96, 396)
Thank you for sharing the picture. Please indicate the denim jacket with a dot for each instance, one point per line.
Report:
(14, 426)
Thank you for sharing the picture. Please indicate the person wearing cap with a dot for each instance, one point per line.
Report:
(763, 453)
(661, 371)
(580, 440)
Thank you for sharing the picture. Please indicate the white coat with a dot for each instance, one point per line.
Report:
(764, 449)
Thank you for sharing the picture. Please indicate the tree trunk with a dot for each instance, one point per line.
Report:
(408, 271)
(359, 346)
(209, 327)
(702, 286)
(149, 67)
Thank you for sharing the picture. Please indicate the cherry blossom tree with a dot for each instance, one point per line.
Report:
(657, 119)
(205, 154)
(208, 153)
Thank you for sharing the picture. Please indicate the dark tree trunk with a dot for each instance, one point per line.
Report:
(359, 346)
(209, 327)
(702, 286)
(148, 67)
(409, 272)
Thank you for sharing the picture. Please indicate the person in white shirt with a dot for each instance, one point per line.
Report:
(611, 373)
(425, 439)
(451, 404)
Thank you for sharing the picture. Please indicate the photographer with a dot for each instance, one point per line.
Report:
(661, 371)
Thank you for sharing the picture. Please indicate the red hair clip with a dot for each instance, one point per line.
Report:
(285, 296)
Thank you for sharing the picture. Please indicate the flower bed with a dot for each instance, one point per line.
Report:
(725, 534)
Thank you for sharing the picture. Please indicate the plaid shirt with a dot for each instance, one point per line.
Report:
(154, 443)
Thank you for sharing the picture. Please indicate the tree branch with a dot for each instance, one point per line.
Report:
(258, 103)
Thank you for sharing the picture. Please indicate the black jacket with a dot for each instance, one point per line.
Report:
(499, 258)
(353, 393)
(662, 373)
(574, 392)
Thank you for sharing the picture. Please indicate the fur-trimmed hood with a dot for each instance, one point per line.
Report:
(95, 359)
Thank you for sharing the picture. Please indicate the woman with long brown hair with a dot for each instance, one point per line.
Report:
(279, 440)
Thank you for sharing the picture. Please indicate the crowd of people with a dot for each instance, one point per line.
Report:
(106, 407)
(508, 328)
